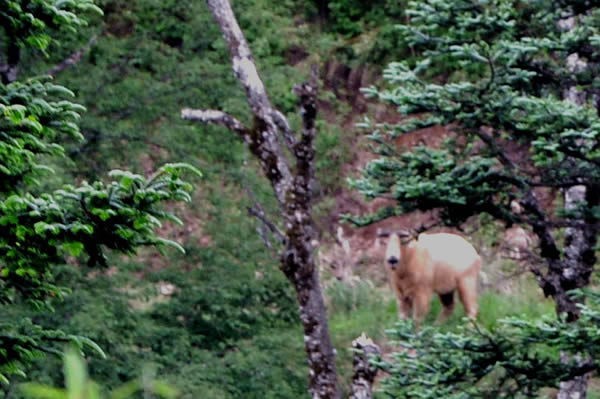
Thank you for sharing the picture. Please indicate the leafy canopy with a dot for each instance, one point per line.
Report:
(30, 23)
(38, 231)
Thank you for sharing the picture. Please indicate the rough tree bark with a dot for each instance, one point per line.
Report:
(579, 255)
(292, 185)
(364, 372)
(580, 242)
(323, 7)
(9, 68)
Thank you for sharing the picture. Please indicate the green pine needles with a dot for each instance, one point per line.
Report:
(484, 73)
(515, 83)
(515, 360)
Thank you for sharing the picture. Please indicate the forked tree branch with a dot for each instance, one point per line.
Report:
(260, 214)
(284, 127)
(265, 143)
(292, 188)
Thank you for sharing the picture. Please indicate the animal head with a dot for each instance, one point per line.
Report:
(338, 267)
(339, 258)
(393, 251)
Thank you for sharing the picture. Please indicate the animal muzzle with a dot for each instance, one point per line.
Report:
(393, 262)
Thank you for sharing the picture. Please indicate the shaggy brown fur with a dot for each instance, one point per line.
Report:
(440, 263)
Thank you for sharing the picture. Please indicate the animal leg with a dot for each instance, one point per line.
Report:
(448, 306)
(467, 289)
(404, 306)
(422, 301)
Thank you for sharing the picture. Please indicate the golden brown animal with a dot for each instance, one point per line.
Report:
(433, 263)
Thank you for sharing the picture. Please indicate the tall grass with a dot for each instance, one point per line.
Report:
(525, 300)
(362, 307)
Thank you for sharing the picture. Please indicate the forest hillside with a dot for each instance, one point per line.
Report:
(403, 125)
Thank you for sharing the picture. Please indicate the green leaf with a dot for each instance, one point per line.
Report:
(39, 391)
(169, 243)
(176, 167)
(41, 227)
(164, 390)
(91, 344)
(126, 390)
(75, 374)
(74, 247)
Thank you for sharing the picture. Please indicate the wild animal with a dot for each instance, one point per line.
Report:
(440, 263)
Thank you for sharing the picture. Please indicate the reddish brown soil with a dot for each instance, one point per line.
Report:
(345, 82)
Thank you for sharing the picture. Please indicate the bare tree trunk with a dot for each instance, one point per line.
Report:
(364, 372)
(578, 266)
(577, 387)
(10, 67)
(579, 256)
(292, 185)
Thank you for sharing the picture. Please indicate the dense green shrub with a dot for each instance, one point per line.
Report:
(515, 359)
(353, 17)
(40, 230)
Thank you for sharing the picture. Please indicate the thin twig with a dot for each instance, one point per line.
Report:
(284, 127)
(259, 213)
(73, 58)
(218, 118)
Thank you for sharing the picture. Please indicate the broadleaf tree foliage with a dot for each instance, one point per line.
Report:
(31, 24)
(515, 83)
(37, 230)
